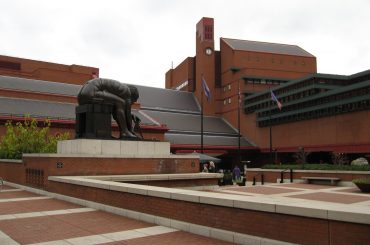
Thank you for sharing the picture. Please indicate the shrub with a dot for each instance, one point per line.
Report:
(363, 184)
(360, 162)
(301, 155)
(362, 181)
(27, 137)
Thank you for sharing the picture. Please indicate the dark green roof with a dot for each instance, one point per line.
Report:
(317, 107)
(338, 90)
(312, 76)
(311, 86)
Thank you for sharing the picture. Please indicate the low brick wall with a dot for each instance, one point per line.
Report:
(225, 215)
(178, 183)
(272, 175)
(34, 169)
(12, 170)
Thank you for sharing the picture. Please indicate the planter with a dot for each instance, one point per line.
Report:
(362, 184)
(363, 187)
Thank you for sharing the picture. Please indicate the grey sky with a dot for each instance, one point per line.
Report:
(135, 41)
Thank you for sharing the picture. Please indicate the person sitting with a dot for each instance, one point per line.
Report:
(212, 167)
(120, 95)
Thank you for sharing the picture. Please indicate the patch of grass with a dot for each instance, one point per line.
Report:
(318, 167)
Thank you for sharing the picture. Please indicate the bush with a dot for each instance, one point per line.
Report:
(360, 162)
(362, 181)
(363, 184)
(27, 137)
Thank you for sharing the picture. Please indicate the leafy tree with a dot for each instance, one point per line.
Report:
(339, 158)
(27, 137)
(301, 156)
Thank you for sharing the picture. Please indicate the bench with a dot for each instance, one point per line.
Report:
(333, 180)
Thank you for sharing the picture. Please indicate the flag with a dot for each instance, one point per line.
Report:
(206, 90)
(273, 97)
(239, 95)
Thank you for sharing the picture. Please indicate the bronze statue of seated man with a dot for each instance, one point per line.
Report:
(120, 95)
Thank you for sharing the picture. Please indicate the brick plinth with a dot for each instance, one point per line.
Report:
(34, 170)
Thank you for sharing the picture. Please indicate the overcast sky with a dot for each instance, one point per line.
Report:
(135, 41)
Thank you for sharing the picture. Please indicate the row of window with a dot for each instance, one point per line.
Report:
(308, 93)
(273, 60)
(333, 98)
(269, 103)
(287, 99)
(325, 112)
(208, 32)
(265, 81)
(297, 86)
(258, 81)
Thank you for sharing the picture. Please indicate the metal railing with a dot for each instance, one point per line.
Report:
(262, 178)
(290, 175)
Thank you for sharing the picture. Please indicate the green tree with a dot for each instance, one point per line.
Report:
(27, 137)
(339, 158)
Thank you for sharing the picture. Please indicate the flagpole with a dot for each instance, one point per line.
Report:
(239, 151)
(271, 157)
(201, 121)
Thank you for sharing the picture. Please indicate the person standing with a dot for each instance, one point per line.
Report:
(212, 167)
(237, 173)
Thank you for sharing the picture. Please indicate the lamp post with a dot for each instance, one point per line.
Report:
(239, 99)
(270, 135)
(235, 70)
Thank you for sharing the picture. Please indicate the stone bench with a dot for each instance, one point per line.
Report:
(333, 180)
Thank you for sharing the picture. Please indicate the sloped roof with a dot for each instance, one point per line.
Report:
(150, 97)
(159, 98)
(46, 109)
(215, 140)
(264, 47)
(191, 123)
(34, 85)
(37, 108)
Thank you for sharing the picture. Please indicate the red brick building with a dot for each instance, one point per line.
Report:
(321, 113)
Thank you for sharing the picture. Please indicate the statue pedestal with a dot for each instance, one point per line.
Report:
(94, 121)
(122, 148)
